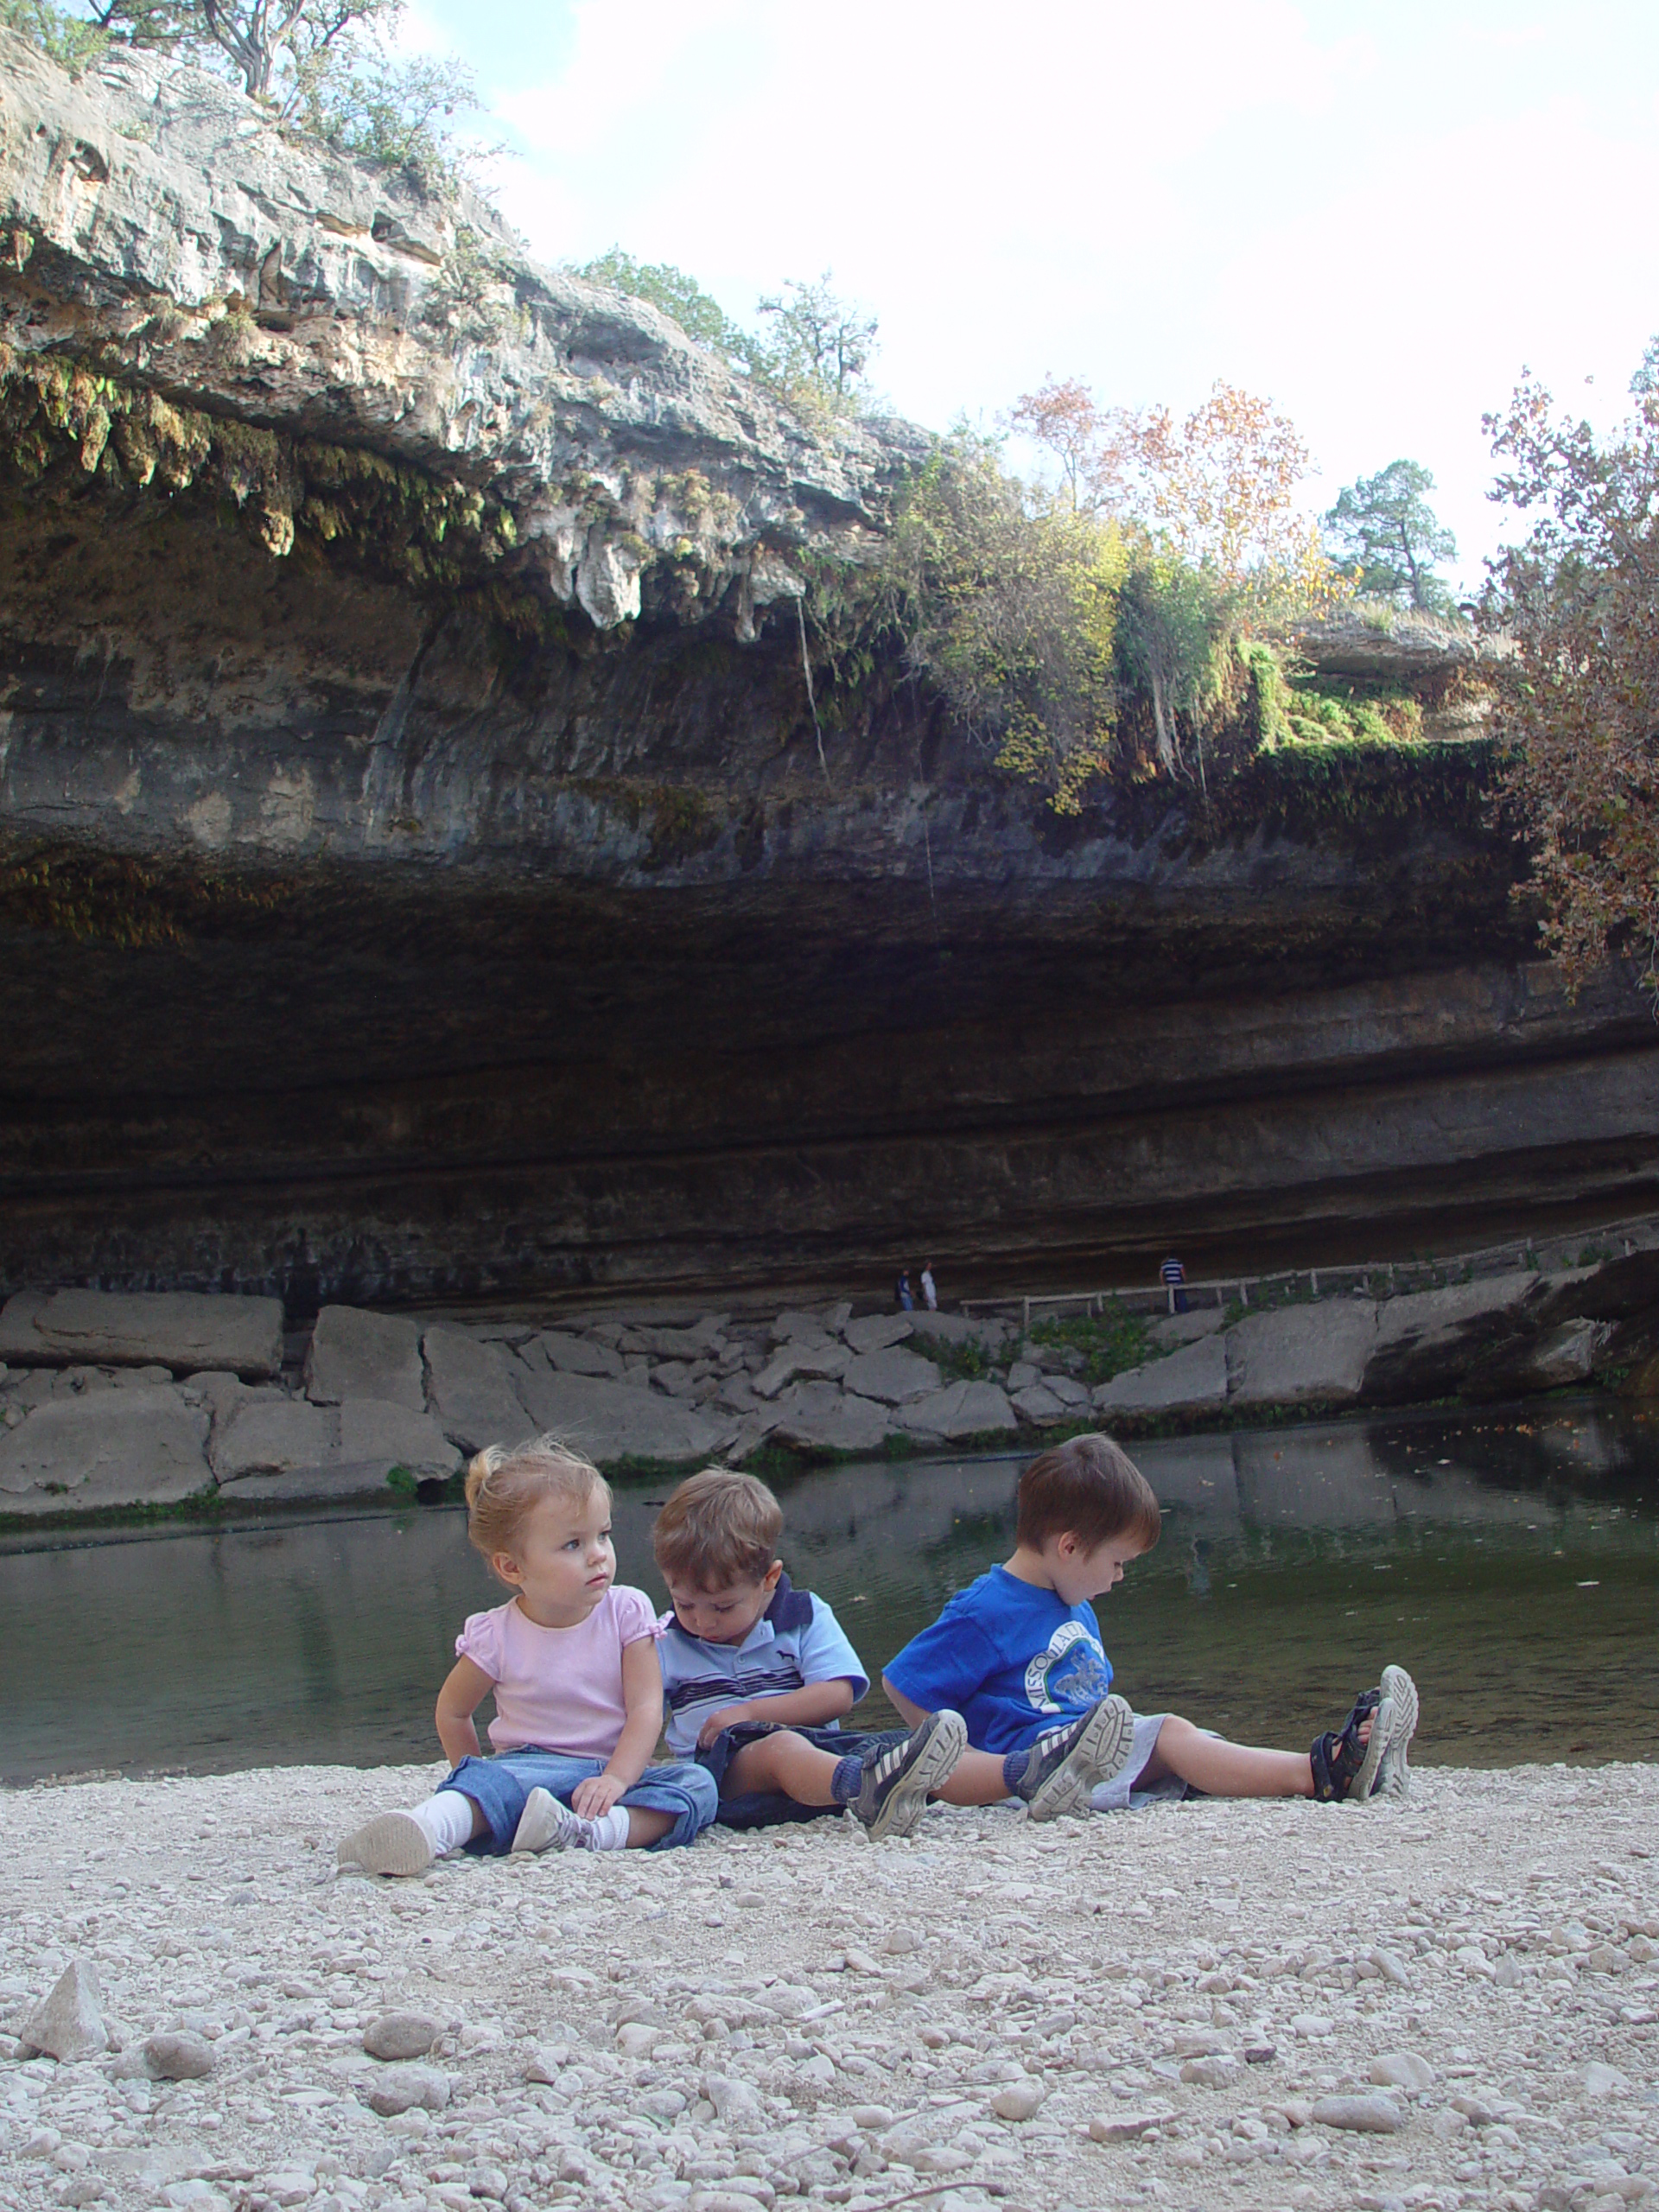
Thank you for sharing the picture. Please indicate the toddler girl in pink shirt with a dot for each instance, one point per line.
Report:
(572, 1662)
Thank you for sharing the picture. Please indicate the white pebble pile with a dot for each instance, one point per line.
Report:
(1449, 2002)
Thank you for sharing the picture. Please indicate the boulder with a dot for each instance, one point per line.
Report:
(1301, 1355)
(359, 1355)
(793, 1323)
(1428, 1341)
(1038, 1405)
(576, 1354)
(183, 1330)
(1567, 1353)
(945, 1328)
(826, 1362)
(377, 1434)
(108, 1447)
(178, 2057)
(1190, 1381)
(469, 1388)
(68, 2022)
(612, 1421)
(396, 2037)
(819, 1417)
(1612, 1292)
(695, 1343)
(1184, 1328)
(959, 1411)
(272, 1436)
(875, 1331)
(896, 1378)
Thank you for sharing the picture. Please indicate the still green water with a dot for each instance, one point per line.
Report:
(1511, 1563)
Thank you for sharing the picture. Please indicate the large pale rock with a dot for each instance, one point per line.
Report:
(1565, 1354)
(687, 1344)
(272, 1436)
(823, 1362)
(469, 1389)
(896, 1378)
(575, 1355)
(1040, 1406)
(181, 1330)
(377, 1435)
(1184, 1328)
(959, 1410)
(359, 1355)
(1301, 1355)
(819, 1417)
(109, 1447)
(875, 1331)
(1426, 1342)
(68, 2022)
(1190, 1381)
(611, 1422)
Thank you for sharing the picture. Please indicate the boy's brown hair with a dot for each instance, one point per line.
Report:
(1089, 1488)
(717, 1528)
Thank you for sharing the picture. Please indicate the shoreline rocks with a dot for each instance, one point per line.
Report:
(370, 1398)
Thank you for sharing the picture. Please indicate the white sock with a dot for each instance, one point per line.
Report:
(447, 1820)
(610, 1830)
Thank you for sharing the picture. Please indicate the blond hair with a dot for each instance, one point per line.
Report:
(507, 1482)
(717, 1528)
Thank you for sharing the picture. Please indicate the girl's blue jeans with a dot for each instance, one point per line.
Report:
(498, 1787)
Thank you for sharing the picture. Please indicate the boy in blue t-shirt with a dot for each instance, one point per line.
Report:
(757, 1677)
(1020, 1650)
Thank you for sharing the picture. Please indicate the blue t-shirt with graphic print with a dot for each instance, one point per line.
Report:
(1010, 1658)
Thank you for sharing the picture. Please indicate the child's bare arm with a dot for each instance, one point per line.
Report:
(911, 1715)
(465, 1688)
(809, 1707)
(642, 1691)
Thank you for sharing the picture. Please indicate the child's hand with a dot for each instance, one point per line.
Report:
(594, 1798)
(728, 1716)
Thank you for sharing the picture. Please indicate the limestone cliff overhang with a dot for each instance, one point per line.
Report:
(157, 229)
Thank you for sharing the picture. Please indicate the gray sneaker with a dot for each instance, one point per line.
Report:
(1397, 1723)
(894, 1794)
(1062, 1767)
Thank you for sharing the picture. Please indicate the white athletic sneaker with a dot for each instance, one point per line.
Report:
(391, 1843)
(1397, 1721)
(547, 1825)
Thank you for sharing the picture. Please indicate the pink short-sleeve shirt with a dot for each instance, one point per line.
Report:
(560, 1688)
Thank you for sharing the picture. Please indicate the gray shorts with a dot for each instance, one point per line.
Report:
(1119, 1794)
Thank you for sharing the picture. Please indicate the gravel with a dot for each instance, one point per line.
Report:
(1453, 2001)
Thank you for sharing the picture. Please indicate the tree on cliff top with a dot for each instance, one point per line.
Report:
(1579, 699)
(1218, 485)
(323, 67)
(1383, 529)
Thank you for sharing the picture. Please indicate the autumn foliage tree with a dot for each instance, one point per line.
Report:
(1578, 601)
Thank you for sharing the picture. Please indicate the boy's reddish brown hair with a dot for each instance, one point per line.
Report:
(718, 1527)
(1089, 1488)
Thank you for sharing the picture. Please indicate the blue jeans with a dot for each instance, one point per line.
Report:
(498, 1787)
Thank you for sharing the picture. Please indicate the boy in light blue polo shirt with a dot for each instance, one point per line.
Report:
(757, 1676)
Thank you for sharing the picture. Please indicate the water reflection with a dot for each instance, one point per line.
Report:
(1509, 1561)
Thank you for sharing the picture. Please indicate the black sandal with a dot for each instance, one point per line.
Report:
(1339, 1758)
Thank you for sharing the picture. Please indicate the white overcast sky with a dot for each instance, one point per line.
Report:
(1375, 215)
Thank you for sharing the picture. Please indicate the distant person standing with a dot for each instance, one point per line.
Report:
(929, 1292)
(902, 1292)
(1174, 1275)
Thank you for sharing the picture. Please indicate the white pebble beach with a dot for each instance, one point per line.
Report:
(1451, 2000)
